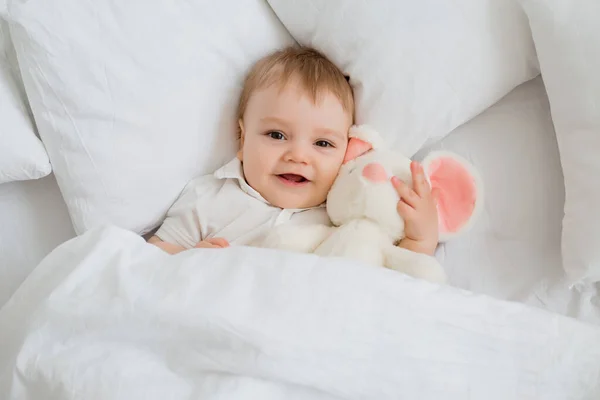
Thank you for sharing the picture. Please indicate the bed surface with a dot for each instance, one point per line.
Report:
(512, 253)
(516, 241)
(33, 221)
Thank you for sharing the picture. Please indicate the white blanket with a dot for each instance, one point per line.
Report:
(107, 316)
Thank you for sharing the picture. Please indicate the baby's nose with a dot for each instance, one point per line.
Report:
(297, 153)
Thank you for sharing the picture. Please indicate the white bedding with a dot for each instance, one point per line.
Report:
(33, 221)
(514, 251)
(250, 323)
(516, 241)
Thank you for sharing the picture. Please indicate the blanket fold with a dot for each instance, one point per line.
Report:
(108, 316)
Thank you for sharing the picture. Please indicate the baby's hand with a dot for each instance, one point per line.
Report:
(214, 243)
(418, 209)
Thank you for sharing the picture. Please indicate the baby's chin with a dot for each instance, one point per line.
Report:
(289, 201)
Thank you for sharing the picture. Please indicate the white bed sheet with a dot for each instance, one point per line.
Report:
(512, 253)
(33, 221)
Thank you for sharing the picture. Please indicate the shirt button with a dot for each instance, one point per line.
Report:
(284, 216)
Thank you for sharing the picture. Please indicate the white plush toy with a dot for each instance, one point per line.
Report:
(362, 205)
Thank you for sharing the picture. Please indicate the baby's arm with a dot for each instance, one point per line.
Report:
(417, 246)
(214, 243)
(181, 229)
(414, 264)
(168, 247)
(418, 209)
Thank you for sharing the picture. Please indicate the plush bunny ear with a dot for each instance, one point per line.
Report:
(363, 138)
(460, 192)
(356, 148)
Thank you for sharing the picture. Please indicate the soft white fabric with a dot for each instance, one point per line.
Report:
(515, 244)
(22, 155)
(108, 316)
(567, 39)
(223, 205)
(33, 221)
(513, 252)
(134, 99)
(419, 68)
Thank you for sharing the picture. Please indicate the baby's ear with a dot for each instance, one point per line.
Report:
(460, 192)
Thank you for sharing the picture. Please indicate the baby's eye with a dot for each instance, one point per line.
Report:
(276, 135)
(324, 143)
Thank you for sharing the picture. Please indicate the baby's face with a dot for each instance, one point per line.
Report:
(292, 149)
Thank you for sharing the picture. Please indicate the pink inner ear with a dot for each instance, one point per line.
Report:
(375, 173)
(356, 148)
(457, 193)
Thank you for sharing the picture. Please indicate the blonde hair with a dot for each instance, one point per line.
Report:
(315, 73)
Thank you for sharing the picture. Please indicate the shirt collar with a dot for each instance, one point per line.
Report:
(233, 170)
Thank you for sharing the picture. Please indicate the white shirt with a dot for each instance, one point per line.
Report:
(224, 205)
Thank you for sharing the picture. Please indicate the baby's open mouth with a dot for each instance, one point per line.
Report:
(292, 179)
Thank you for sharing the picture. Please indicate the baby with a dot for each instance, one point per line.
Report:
(294, 114)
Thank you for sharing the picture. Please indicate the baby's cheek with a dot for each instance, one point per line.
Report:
(326, 183)
(330, 172)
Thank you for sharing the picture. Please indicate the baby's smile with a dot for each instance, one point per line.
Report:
(293, 180)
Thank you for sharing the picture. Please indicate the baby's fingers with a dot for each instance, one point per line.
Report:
(406, 193)
(205, 245)
(405, 211)
(218, 242)
(419, 181)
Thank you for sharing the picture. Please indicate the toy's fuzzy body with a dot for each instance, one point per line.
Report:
(364, 240)
(362, 205)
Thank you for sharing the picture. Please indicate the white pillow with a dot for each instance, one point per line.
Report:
(135, 98)
(22, 155)
(567, 38)
(419, 68)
